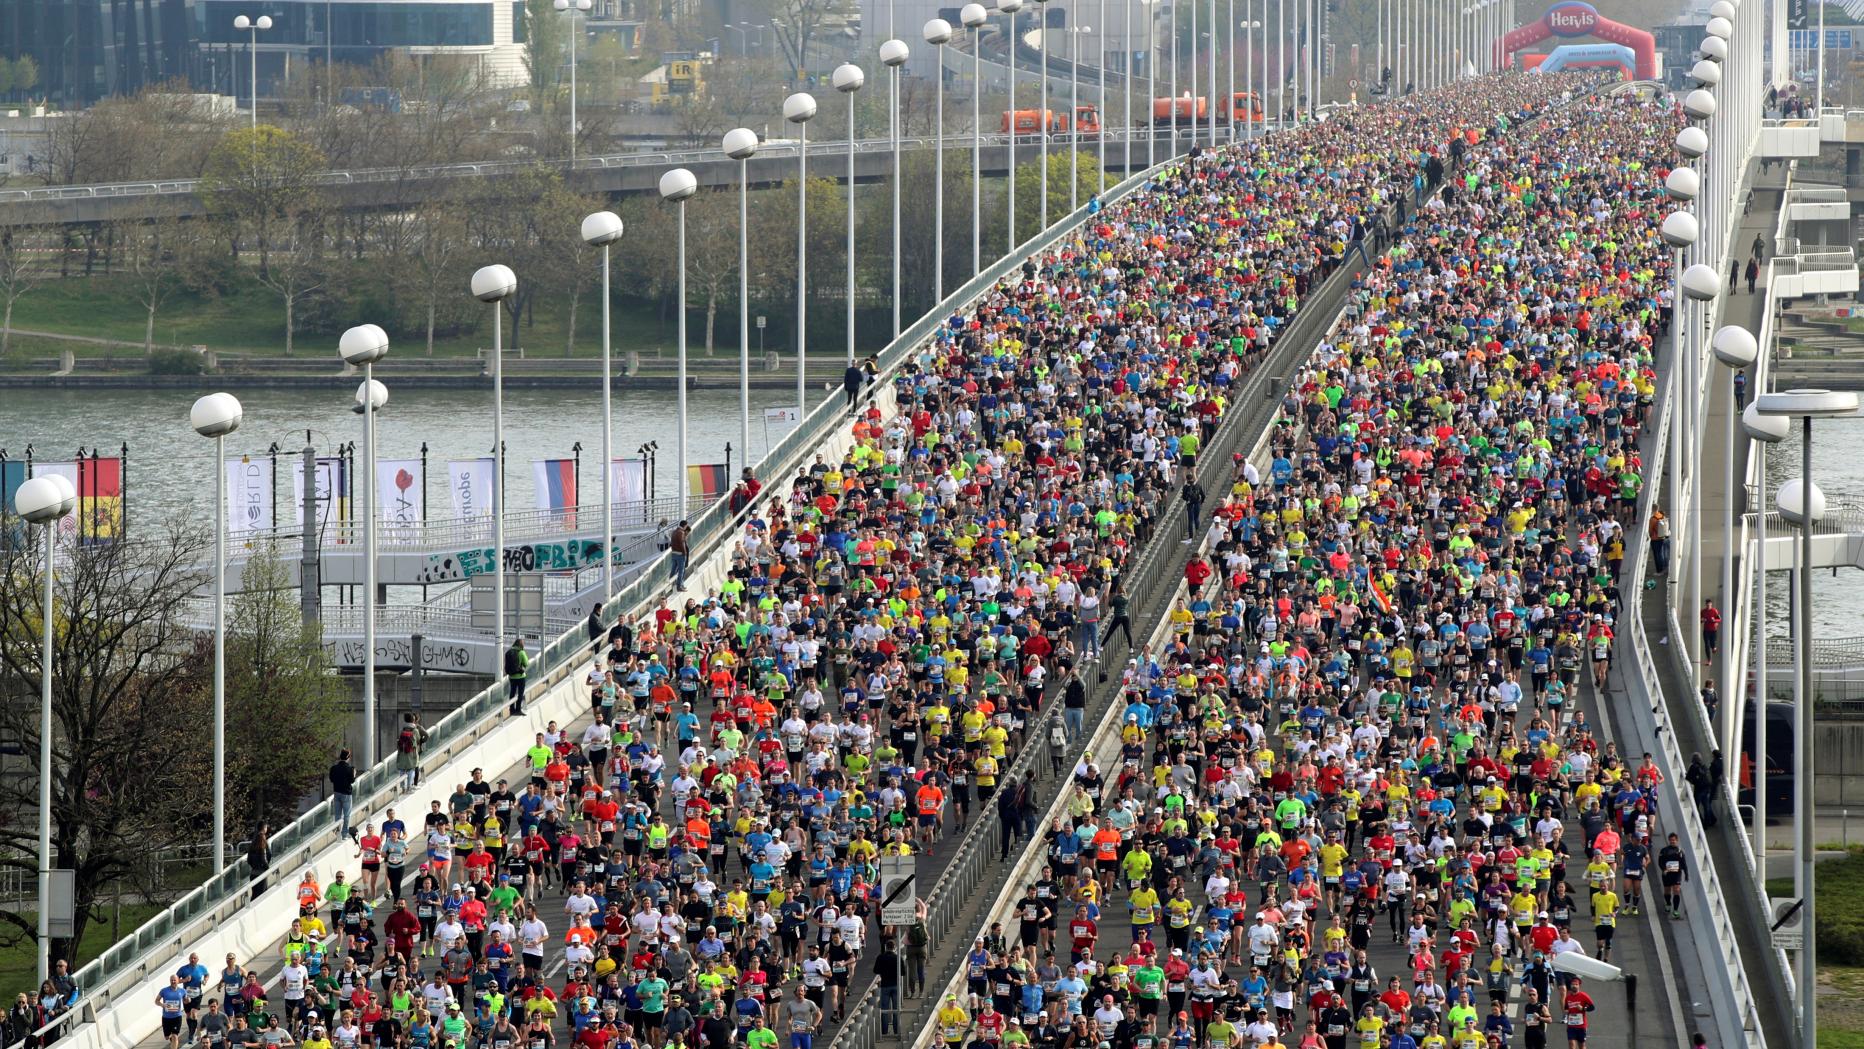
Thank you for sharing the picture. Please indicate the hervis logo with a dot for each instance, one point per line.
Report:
(1572, 19)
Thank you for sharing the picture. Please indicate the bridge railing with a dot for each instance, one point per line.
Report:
(441, 533)
(480, 169)
(153, 946)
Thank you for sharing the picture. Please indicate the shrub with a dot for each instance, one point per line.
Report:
(177, 362)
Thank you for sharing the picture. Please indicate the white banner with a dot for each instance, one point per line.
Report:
(249, 496)
(471, 483)
(399, 494)
(68, 524)
(782, 416)
(629, 477)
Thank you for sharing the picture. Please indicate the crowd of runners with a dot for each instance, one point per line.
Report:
(1366, 725)
(1369, 702)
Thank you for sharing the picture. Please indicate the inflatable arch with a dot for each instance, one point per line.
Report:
(1588, 56)
(1576, 18)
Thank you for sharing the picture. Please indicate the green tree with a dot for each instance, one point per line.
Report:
(286, 707)
(25, 74)
(163, 258)
(22, 268)
(260, 180)
(546, 45)
(1029, 188)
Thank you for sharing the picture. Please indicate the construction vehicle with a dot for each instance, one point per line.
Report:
(680, 77)
(1086, 121)
(1245, 106)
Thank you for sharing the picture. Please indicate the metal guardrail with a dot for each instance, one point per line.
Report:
(493, 168)
(521, 526)
(152, 946)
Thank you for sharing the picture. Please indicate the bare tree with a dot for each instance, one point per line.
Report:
(298, 267)
(162, 257)
(796, 24)
(430, 266)
(22, 268)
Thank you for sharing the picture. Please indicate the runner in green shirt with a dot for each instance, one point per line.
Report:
(759, 1036)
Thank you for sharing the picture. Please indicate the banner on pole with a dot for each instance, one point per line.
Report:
(100, 499)
(68, 525)
(556, 486)
(13, 529)
(249, 496)
(708, 480)
(629, 476)
(401, 503)
(471, 483)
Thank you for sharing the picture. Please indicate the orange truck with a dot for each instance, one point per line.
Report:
(1030, 121)
(1188, 110)
(1244, 106)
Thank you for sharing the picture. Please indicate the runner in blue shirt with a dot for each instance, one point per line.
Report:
(193, 977)
(173, 1001)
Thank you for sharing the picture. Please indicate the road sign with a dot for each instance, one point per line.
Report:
(1788, 924)
(899, 898)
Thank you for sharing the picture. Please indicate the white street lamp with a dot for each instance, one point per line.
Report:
(1804, 504)
(252, 27)
(937, 32)
(798, 109)
(847, 79)
(1009, 9)
(1152, 82)
(1074, 115)
(893, 55)
(602, 229)
(1734, 348)
(1764, 430)
(493, 285)
(974, 16)
(364, 345)
(215, 416)
(678, 186)
(740, 145)
(572, 7)
(1042, 107)
(44, 501)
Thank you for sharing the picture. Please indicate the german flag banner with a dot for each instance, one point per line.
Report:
(709, 480)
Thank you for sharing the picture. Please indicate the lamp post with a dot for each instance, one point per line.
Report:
(1764, 430)
(678, 186)
(1229, 24)
(798, 109)
(740, 144)
(252, 27)
(974, 16)
(937, 32)
(215, 416)
(1700, 284)
(572, 7)
(1100, 106)
(1152, 82)
(1074, 115)
(1009, 9)
(43, 501)
(1734, 348)
(893, 55)
(493, 285)
(364, 345)
(1042, 109)
(847, 79)
(603, 229)
(1801, 501)
(1211, 128)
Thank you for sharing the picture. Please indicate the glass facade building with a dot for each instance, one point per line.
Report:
(90, 49)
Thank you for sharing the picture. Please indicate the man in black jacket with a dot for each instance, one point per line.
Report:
(851, 381)
(343, 792)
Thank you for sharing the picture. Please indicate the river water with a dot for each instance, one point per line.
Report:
(170, 466)
(1838, 470)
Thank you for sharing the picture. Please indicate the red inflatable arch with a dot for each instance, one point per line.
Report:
(1578, 18)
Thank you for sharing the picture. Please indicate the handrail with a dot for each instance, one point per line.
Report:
(103, 978)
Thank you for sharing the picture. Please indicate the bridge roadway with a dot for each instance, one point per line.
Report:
(614, 175)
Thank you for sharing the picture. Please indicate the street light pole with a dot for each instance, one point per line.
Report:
(493, 285)
(1042, 108)
(893, 55)
(43, 501)
(603, 229)
(798, 109)
(937, 32)
(847, 79)
(572, 7)
(215, 416)
(1074, 115)
(740, 144)
(1009, 8)
(252, 27)
(974, 16)
(1764, 430)
(1735, 348)
(678, 186)
(364, 345)
(1801, 501)
(1126, 81)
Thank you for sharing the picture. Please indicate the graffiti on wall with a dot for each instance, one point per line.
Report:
(461, 565)
(456, 657)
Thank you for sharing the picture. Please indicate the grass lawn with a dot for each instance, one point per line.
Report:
(1841, 939)
(251, 319)
(19, 961)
